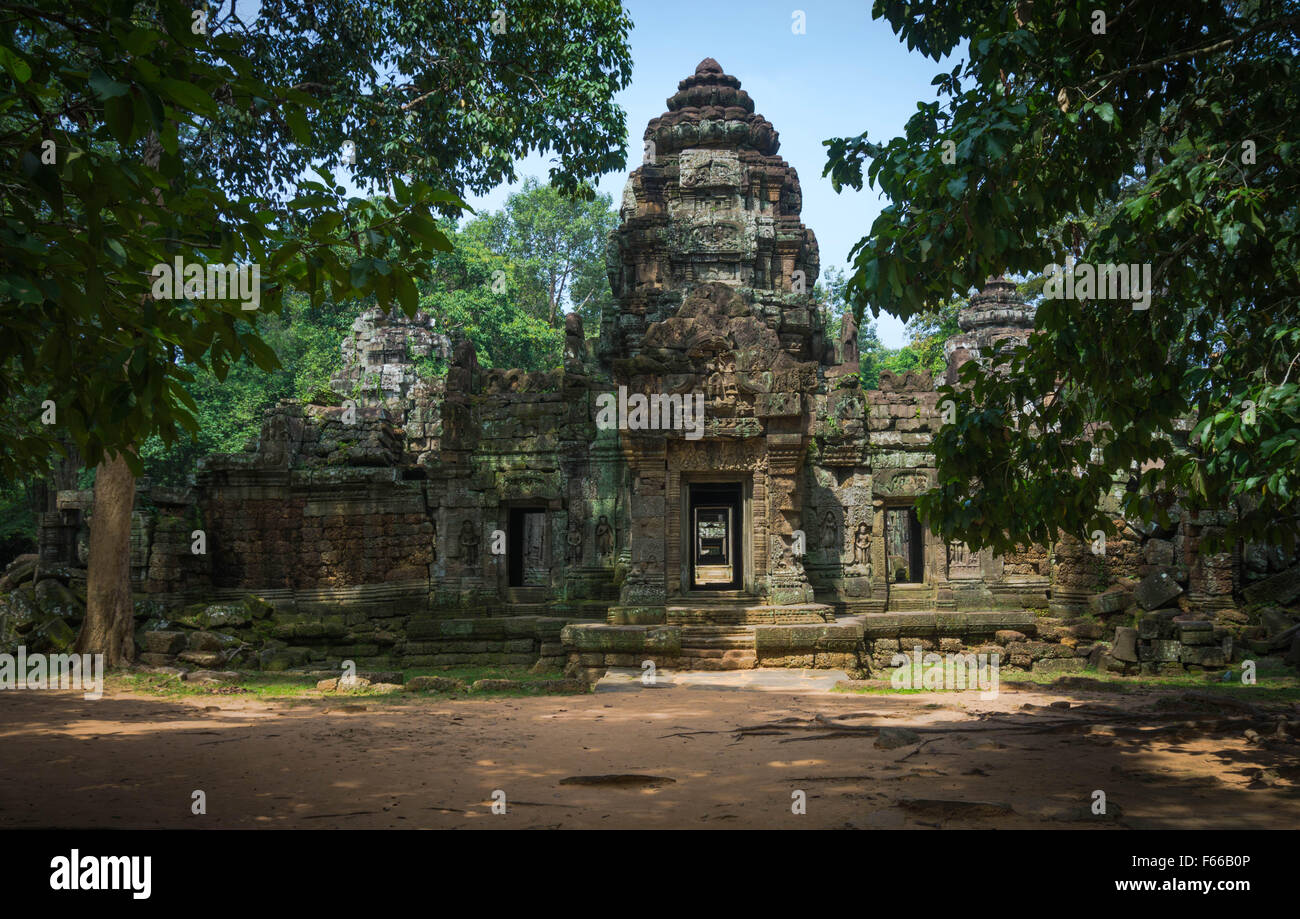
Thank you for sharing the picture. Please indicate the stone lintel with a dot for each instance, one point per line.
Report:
(946, 624)
(656, 639)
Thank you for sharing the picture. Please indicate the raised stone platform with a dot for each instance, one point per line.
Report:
(857, 644)
(945, 624)
(626, 679)
(698, 614)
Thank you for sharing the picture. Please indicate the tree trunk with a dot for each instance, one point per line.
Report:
(110, 615)
(109, 628)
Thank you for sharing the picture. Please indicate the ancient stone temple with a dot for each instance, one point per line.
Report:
(713, 273)
(703, 484)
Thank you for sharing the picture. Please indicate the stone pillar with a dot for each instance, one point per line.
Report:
(56, 538)
(787, 582)
(1209, 577)
(643, 598)
(879, 552)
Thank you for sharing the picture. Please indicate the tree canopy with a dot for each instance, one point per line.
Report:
(557, 241)
(1153, 135)
(167, 154)
(145, 131)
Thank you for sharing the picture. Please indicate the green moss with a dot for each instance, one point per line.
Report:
(282, 685)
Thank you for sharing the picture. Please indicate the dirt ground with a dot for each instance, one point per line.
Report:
(658, 758)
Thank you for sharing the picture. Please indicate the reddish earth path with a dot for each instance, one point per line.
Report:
(132, 760)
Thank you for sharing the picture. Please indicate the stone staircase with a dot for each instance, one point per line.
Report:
(735, 610)
(718, 647)
(918, 599)
(527, 601)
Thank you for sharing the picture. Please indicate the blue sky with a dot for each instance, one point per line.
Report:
(847, 73)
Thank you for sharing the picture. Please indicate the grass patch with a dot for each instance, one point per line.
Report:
(297, 686)
(264, 685)
(470, 673)
(1274, 682)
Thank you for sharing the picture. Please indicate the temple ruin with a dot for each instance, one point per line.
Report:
(493, 515)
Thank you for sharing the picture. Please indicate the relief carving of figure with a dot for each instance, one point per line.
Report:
(848, 339)
(573, 555)
(574, 341)
(830, 533)
(861, 539)
(604, 537)
(722, 382)
(469, 541)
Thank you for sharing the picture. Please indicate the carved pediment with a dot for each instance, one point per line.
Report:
(710, 168)
(903, 482)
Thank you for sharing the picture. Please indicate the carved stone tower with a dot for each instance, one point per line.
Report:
(713, 273)
(996, 312)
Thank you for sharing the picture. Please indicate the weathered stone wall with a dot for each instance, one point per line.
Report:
(375, 527)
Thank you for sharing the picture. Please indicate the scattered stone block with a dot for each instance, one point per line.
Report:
(1203, 656)
(1155, 590)
(19, 572)
(382, 676)
(1158, 552)
(1200, 632)
(893, 738)
(1061, 665)
(1125, 647)
(212, 676)
(1086, 629)
(1275, 621)
(224, 616)
(1162, 650)
(434, 684)
(344, 684)
(1109, 601)
(164, 642)
(206, 660)
(1280, 588)
(1158, 624)
(54, 598)
(54, 634)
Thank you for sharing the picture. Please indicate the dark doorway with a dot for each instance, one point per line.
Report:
(526, 547)
(715, 545)
(904, 546)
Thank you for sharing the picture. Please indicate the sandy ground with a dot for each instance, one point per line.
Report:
(131, 760)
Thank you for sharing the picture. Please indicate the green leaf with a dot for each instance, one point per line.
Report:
(187, 96)
(119, 114)
(17, 66)
(105, 86)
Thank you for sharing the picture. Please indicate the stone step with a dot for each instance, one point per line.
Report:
(693, 616)
(527, 609)
(716, 631)
(519, 596)
(717, 663)
(718, 641)
(910, 605)
(730, 654)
